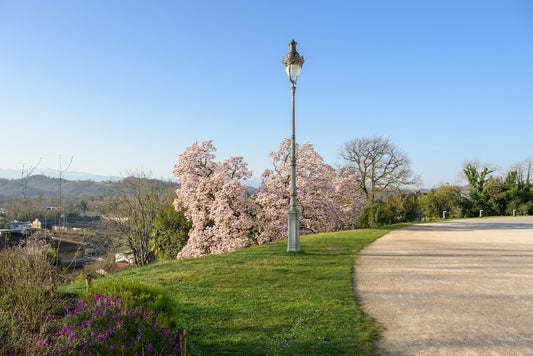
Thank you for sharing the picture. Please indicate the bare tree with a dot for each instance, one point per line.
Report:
(380, 165)
(139, 198)
(60, 212)
(24, 174)
(524, 171)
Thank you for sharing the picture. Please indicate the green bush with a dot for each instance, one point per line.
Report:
(391, 210)
(444, 198)
(525, 208)
(151, 298)
(376, 213)
(170, 232)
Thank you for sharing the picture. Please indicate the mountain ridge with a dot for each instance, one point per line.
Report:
(55, 173)
(40, 184)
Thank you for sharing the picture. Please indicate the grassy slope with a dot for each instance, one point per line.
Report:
(264, 301)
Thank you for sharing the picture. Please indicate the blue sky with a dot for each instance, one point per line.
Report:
(128, 85)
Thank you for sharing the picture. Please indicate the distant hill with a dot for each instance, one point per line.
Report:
(47, 186)
(54, 173)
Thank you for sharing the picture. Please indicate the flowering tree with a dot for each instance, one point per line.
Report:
(214, 200)
(325, 200)
(348, 198)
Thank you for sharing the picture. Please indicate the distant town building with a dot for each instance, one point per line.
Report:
(123, 259)
(36, 224)
(19, 226)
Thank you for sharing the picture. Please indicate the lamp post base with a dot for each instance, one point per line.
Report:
(294, 232)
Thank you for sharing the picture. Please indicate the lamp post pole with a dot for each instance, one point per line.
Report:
(293, 63)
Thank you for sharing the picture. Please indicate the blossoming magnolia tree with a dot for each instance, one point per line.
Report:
(348, 197)
(224, 218)
(215, 201)
(327, 201)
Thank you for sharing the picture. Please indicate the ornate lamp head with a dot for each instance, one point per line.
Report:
(293, 62)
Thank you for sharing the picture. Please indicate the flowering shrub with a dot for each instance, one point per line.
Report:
(13, 333)
(103, 327)
(137, 295)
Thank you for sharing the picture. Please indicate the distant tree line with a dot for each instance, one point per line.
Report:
(485, 195)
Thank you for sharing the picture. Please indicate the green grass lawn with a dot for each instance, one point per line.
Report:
(265, 301)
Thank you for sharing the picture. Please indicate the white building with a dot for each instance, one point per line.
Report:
(19, 226)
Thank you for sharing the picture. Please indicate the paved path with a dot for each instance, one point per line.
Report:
(462, 287)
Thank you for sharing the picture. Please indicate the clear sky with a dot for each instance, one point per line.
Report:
(128, 85)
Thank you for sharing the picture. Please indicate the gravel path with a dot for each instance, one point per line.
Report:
(462, 287)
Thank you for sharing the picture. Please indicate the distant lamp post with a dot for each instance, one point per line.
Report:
(293, 63)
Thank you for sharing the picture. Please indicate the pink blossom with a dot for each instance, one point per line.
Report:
(224, 218)
(215, 201)
(327, 200)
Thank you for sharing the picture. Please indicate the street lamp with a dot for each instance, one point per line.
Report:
(293, 63)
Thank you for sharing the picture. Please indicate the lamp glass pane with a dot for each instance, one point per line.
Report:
(293, 70)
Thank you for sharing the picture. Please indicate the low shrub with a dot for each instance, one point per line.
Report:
(32, 311)
(105, 327)
(15, 338)
(153, 299)
(393, 209)
(28, 281)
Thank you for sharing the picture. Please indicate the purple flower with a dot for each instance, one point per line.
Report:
(106, 321)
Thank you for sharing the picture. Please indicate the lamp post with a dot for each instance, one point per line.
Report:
(293, 63)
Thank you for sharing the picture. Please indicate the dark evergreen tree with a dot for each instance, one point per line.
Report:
(170, 232)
